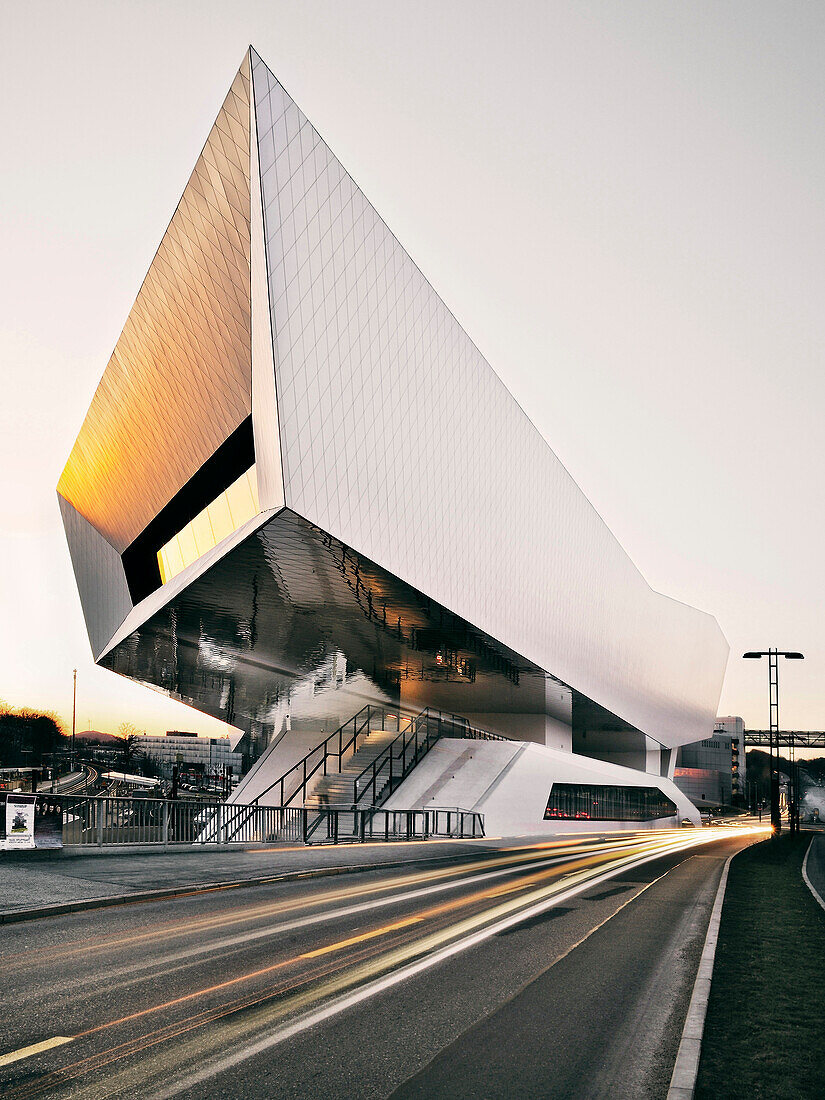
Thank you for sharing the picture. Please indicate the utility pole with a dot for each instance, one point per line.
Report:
(74, 714)
(773, 656)
(773, 678)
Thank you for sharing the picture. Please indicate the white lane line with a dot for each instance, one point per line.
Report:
(379, 985)
(35, 1048)
(808, 882)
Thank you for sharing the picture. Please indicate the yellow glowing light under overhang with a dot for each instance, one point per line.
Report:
(220, 518)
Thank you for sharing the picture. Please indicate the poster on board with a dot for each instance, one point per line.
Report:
(48, 822)
(19, 821)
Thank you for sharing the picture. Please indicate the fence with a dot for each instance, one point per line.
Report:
(382, 776)
(335, 824)
(97, 822)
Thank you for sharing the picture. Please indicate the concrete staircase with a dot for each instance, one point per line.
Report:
(336, 788)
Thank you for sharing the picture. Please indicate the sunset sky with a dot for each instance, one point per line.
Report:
(622, 203)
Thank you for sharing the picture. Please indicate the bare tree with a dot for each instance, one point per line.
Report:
(129, 750)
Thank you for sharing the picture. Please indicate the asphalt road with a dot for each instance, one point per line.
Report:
(543, 970)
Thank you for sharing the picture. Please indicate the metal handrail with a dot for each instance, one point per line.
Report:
(385, 759)
(375, 823)
(361, 724)
(326, 753)
(407, 736)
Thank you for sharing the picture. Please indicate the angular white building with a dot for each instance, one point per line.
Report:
(300, 489)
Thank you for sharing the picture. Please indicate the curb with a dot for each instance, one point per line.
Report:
(16, 916)
(818, 897)
(686, 1067)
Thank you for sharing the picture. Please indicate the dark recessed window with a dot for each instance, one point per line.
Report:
(591, 802)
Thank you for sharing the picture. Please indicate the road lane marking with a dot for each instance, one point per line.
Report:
(654, 850)
(817, 896)
(686, 1066)
(326, 916)
(35, 1048)
(337, 946)
(271, 909)
(478, 935)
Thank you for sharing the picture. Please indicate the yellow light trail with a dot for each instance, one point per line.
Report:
(245, 914)
(569, 877)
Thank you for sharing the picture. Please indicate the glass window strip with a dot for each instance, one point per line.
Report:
(596, 802)
(239, 502)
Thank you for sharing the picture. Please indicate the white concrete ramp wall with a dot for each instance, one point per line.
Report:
(278, 757)
(509, 782)
(465, 769)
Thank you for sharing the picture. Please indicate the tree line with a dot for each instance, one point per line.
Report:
(28, 737)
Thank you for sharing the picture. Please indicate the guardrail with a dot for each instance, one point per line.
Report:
(108, 821)
(343, 742)
(338, 823)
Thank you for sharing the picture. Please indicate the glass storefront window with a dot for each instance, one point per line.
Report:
(591, 802)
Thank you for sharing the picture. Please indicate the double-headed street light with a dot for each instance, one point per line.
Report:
(773, 656)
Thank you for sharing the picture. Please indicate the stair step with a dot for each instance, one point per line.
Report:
(337, 788)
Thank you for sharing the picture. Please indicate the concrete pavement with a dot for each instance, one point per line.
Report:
(38, 879)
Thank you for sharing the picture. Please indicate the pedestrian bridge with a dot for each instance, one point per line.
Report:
(798, 739)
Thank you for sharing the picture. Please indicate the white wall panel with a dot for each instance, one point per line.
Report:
(399, 439)
(98, 571)
(264, 399)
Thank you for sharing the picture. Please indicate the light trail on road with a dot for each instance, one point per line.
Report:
(243, 974)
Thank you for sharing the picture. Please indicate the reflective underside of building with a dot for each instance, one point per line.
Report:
(300, 487)
(291, 621)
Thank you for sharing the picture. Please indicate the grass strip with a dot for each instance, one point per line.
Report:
(764, 1037)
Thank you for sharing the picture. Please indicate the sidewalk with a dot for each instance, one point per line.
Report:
(30, 882)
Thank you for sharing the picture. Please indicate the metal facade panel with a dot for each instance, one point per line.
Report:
(399, 439)
(179, 380)
(100, 579)
(264, 399)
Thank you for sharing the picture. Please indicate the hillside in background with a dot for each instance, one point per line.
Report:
(95, 737)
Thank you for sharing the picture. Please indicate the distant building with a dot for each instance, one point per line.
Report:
(211, 753)
(734, 727)
(713, 770)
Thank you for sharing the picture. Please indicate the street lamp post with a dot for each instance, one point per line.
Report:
(773, 656)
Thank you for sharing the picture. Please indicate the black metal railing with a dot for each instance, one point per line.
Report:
(337, 824)
(106, 821)
(340, 745)
(381, 777)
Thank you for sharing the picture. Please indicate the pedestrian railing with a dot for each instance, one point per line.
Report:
(332, 752)
(388, 771)
(381, 777)
(105, 821)
(337, 824)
